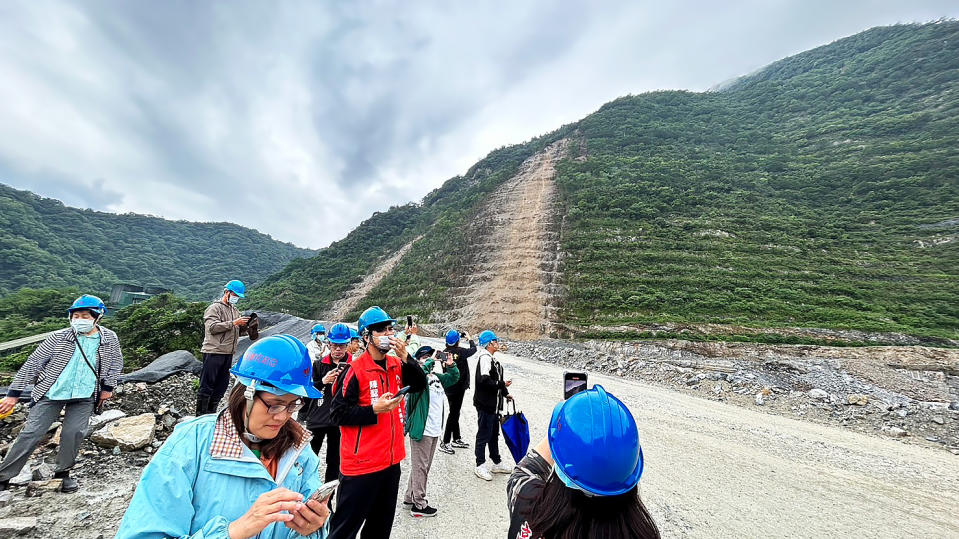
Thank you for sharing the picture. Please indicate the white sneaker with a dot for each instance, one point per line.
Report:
(483, 472)
(501, 468)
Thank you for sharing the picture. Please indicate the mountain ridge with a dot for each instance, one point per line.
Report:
(47, 244)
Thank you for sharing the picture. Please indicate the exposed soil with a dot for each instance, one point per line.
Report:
(516, 245)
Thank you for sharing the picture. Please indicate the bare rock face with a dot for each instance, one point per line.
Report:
(128, 433)
(106, 416)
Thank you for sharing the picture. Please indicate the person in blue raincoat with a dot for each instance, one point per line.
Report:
(245, 472)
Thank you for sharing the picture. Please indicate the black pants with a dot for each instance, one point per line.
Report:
(214, 377)
(487, 433)
(453, 419)
(370, 498)
(332, 450)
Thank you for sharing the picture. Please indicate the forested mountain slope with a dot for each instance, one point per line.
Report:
(44, 244)
(821, 191)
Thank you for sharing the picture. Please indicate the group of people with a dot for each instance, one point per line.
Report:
(251, 469)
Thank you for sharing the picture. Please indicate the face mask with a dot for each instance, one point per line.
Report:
(383, 343)
(81, 325)
(233, 300)
(319, 338)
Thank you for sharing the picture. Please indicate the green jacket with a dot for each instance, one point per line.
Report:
(418, 404)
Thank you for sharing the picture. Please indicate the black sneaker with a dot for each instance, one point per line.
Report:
(446, 449)
(460, 444)
(425, 512)
(408, 503)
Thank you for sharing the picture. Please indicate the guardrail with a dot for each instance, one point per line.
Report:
(23, 341)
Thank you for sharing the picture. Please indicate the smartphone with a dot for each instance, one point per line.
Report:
(442, 356)
(325, 490)
(403, 391)
(409, 322)
(252, 318)
(573, 383)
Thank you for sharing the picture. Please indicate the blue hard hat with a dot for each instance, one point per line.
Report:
(595, 443)
(487, 337)
(281, 361)
(237, 287)
(354, 334)
(452, 337)
(339, 334)
(371, 316)
(88, 302)
(319, 328)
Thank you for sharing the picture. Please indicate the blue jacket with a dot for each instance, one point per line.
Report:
(194, 488)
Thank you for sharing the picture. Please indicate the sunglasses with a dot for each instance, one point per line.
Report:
(274, 409)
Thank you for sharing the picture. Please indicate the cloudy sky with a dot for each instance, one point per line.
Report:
(300, 119)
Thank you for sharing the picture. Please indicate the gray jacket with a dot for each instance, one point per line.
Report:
(45, 364)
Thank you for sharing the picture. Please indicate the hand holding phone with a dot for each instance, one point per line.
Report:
(325, 490)
(403, 391)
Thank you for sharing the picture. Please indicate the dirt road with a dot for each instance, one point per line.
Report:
(716, 470)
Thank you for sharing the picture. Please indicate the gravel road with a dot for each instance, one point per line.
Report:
(716, 470)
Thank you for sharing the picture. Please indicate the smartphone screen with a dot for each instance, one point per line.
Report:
(573, 383)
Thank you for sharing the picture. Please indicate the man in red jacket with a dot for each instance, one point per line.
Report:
(367, 409)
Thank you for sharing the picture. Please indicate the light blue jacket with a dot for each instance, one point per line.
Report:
(186, 491)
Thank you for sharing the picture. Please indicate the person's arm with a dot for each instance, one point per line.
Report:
(346, 409)
(483, 368)
(27, 374)
(169, 477)
(114, 356)
(309, 482)
(449, 376)
(467, 352)
(213, 323)
(413, 375)
(530, 474)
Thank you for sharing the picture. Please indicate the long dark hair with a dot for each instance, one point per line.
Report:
(288, 437)
(560, 512)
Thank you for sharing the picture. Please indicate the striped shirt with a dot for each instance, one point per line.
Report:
(49, 360)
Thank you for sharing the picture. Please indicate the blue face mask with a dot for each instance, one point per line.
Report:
(82, 325)
(233, 300)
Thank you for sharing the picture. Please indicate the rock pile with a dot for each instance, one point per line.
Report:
(817, 383)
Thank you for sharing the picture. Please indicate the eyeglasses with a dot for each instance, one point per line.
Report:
(382, 327)
(338, 346)
(274, 409)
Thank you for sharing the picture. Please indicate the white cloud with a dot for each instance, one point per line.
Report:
(301, 119)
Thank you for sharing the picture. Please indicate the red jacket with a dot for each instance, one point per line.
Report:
(371, 442)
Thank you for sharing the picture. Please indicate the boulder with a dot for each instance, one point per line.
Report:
(165, 366)
(818, 394)
(106, 416)
(128, 433)
(10, 527)
(36, 489)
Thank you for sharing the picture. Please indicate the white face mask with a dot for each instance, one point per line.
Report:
(82, 325)
(383, 343)
(319, 337)
(233, 300)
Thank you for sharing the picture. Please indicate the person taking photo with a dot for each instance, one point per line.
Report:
(222, 328)
(424, 424)
(488, 397)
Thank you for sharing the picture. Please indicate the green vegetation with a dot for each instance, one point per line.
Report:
(44, 244)
(796, 197)
(817, 192)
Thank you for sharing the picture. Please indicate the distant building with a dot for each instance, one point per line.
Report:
(129, 294)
